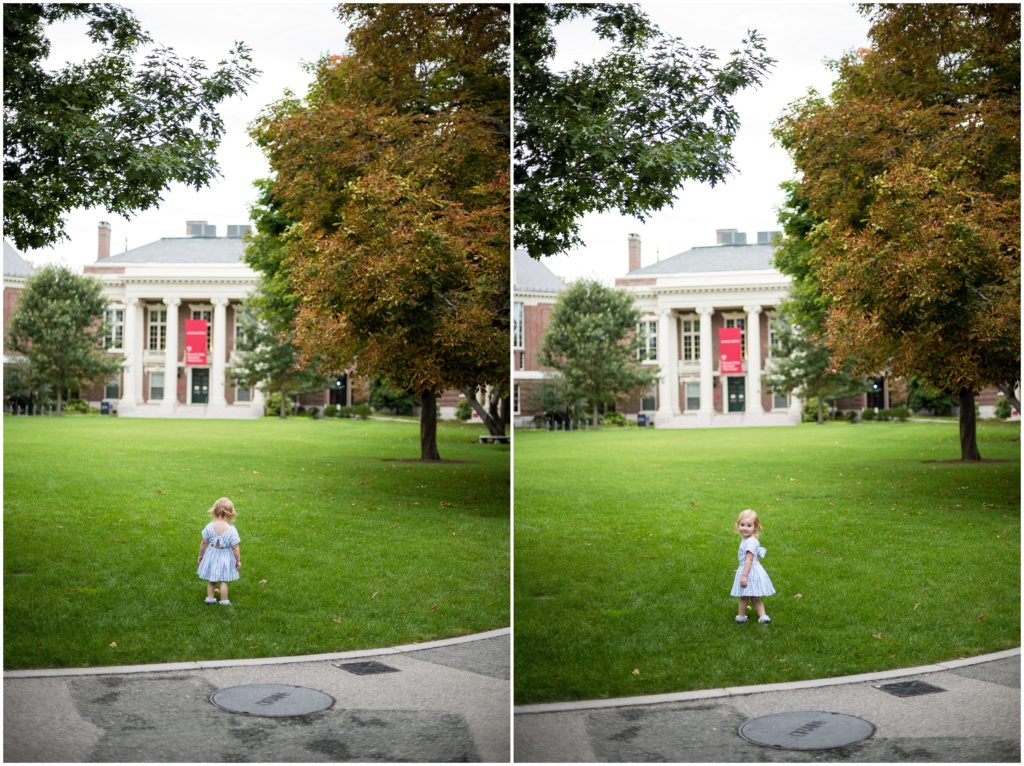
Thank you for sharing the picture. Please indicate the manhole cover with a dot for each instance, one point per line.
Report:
(366, 668)
(910, 688)
(273, 700)
(806, 730)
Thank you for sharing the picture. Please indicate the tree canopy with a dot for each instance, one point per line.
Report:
(101, 131)
(395, 169)
(623, 132)
(58, 326)
(912, 168)
(591, 342)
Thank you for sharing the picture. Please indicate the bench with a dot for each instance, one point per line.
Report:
(491, 439)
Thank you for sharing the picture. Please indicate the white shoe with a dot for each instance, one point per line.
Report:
(224, 602)
(210, 600)
(741, 618)
(764, 619)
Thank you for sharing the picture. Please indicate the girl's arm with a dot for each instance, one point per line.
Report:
(238, 558)
(202, 549)
(747, 563)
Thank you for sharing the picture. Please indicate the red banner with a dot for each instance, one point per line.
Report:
(195, 341)
(730, 356)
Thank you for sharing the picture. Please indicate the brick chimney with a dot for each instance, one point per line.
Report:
(104, 241)
(634, 252)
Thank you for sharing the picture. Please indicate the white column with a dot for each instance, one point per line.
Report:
(665, 368)
(132, 355)
(754, 360)
(171, 352)
(219, 352)
(707, 357)
(673, 361)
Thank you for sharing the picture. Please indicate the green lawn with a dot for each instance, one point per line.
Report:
(883, 554)
(346, 543)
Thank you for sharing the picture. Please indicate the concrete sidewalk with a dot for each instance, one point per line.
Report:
(449, 701)
(976, 718)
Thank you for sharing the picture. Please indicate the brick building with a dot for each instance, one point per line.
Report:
(536, 291)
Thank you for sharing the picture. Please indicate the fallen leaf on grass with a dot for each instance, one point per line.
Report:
(263, 582)
(433, 608)
(338, 620)
(917, 605)
(979, 618)
(113, 644)
(797, 596)
(375, 594)
(877, 635)
(636, 671)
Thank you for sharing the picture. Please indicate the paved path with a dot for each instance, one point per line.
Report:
(450, 701)
(976, 718)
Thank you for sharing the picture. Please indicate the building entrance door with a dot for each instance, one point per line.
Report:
(737, 394)
(200, 386)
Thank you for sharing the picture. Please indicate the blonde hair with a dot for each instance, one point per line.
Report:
(223, 509)
(748, 513)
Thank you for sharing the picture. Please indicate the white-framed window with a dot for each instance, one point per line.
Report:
(243, 395)
(206, 314)
(780, 401)
(112, 390)
(647, 332)
(113, 340)
(156, 386)
(157, 332)
(649, 400)
(517, 325)
(740, 321)
(515, 400)
(690, 334)
(692, 395)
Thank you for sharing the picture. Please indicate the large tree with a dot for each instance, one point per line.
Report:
(58, 326)
(103, 131)
(591, 342)
(395, 169)
(623, 132)
(912, 165)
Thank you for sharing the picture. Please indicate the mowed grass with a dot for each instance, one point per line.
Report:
(346, 544)
(883, 554)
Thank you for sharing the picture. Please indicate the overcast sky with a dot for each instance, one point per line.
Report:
(284, 36)
(800, 37)
(281, 36)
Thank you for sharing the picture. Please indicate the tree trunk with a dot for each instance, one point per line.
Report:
(428, 426)
(60, 402)
(821, 412)
(494, 425)
(283, 412)
(595, 414)
(968, 427)
(1009, 391)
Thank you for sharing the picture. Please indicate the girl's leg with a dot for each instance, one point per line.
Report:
(223, 591)
(209, 590)
(758, 605)
(743, 606)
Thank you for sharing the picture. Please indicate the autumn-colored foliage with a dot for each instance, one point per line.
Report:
(396, 168)
(912, 167)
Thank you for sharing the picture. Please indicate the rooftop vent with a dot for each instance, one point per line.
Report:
(237, 231)
(200, 229)
(766, 237)
(730, 237)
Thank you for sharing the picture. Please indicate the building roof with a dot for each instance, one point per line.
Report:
(183, 250)
(14, 264)
(530, 275)
(713, 258)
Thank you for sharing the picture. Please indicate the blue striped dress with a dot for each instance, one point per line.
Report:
(218, 564)
(758, 582)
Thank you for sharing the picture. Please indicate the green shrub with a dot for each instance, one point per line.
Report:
(331, 411)
(464, 411)
(868, 414)
(900, 413)
(614, 419)
(1003, 408)
(76, 406)
(313, 412)
(885, 414)
(272, 407)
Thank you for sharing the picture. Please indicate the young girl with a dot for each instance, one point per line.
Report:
(219, 559)
(751, 581)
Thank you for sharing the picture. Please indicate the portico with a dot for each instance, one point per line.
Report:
(689, 299)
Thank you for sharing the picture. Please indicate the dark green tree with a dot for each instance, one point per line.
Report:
(623, 132)
(103, 131)
(591, 342)
(58, 326)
